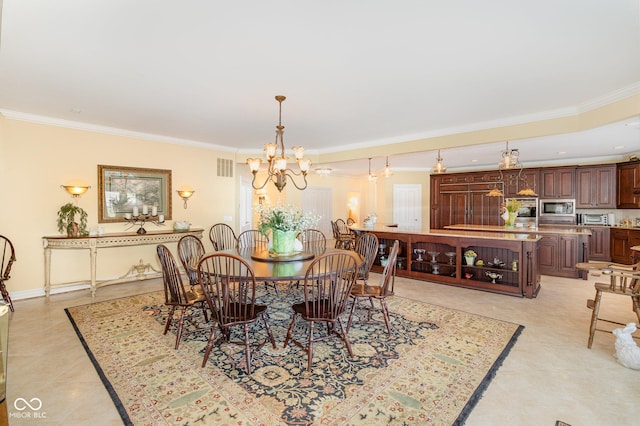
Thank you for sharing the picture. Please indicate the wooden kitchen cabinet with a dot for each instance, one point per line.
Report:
(634, 240)
(516, 180)
(600, 245)
(439, 257)
(548, 255)
(557, 182)
(620, 252)
(628, 185)
(462, 199)
(558, 255)
(595, 186)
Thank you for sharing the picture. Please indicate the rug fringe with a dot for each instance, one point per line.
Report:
(477, 395)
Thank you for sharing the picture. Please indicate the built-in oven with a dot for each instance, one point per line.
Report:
(557, 211)
(527, 213)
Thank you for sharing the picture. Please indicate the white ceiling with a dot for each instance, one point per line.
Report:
(355, 74)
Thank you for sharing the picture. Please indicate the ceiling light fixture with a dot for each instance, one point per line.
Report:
(277, 169)
(510, 159)
(372, 178)
(439, 167)
(325, 171)
(387, 169)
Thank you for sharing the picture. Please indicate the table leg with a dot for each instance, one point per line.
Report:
(93, 253)
(47, 271)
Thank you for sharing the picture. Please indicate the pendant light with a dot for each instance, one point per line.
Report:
(387, 169)
(372, 178)
(439, 167)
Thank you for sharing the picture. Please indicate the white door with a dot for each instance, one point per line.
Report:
(319, 201)
(245, 209)
(407, 206)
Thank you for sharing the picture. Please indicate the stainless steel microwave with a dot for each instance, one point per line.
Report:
(557, 210)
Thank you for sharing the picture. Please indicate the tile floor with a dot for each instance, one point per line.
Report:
(549, 375)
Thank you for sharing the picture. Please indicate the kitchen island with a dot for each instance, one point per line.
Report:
(559, 250)
(509, 260)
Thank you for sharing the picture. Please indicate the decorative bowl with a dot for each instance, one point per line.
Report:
(181, 225)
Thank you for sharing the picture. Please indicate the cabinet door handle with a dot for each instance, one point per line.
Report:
(636, 191)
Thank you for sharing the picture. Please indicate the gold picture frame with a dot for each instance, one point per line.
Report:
(121, 189)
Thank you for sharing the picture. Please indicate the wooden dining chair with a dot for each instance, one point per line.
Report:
(342, 241)
(378, 292)
(222, 237)
(256, 240)
(367, 247)
(190, 251)
(229, 287)
(6, 261)
(175, 294)
(252, 238)
(327, 286)
(622, 282)
(313, 240)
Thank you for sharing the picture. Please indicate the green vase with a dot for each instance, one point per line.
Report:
(284, 242)
(510, 223)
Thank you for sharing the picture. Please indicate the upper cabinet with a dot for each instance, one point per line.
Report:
(628, 181)
(462, 199)
(595, 187)
(557, 182)
(517, 180)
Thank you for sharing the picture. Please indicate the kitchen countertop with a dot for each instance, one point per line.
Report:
(469, 233)
(568, 230)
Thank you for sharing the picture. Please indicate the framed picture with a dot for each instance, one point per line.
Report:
(129, 190)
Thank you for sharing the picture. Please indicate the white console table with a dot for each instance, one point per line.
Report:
(106, 241)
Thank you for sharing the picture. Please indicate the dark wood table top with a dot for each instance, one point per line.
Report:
(280, 269)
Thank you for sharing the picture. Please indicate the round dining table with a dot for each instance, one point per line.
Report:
(282, 268)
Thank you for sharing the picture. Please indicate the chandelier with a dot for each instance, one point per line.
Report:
(277, 169)
(510, 160)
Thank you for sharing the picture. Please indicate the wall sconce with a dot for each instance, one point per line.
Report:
(262, 196)
(75, 189)
(185, 194)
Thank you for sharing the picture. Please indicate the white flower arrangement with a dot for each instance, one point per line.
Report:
(285, 218)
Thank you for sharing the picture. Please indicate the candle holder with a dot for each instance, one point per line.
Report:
(141, 219)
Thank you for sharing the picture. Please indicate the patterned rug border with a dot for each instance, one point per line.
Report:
(105, 381)
(464, 413)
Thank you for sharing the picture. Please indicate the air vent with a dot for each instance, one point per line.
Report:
(225, 167)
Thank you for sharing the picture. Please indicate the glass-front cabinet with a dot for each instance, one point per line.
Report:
(497, 262)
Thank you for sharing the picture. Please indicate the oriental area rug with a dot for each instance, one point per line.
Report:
(432, 371)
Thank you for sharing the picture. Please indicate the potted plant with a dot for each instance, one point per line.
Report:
(510, 209)
(470, 256)
(284, 222)
(66, 220)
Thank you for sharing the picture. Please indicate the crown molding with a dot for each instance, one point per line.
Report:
(76, 125)
(595, 103)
